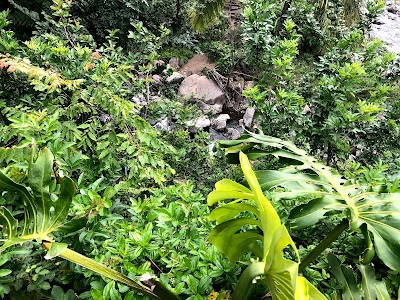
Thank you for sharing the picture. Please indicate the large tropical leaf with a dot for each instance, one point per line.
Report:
(371, 289)
(233, 237)
(42, 215)
(326, 191)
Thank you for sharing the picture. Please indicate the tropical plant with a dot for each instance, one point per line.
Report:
(279, 273)
(371, 209)
(371, 288)
(319, 191)
(43, 215)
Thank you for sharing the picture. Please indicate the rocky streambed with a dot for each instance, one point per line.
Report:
(387, 27)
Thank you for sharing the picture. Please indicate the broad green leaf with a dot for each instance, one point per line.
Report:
(368, 282)
(346, 279)
(381, 291)
(232, 244)
(230, 211)
(227, 184)
(42, 215)
(268, 216)
(5, 272)
(381, 213)
(57, 292)
(72, 225)
(326, 192)
(279, 273)
(306, 215)
(306, 291)
(96, 294)
(39, 177)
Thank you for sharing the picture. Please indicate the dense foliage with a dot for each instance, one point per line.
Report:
(111, 185)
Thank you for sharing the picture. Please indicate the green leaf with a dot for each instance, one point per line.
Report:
(281, 273)
(44, 285)
(231, 238)
(306, 215)
(306, 178)
(4, 272)
(55, 250)
(42, 215)
(96, 294)
(232, 244)
(230, 211)
(346, 279)
(57, 292)
(305, 290)
(72, 225)
(368, 281)
(381, 291)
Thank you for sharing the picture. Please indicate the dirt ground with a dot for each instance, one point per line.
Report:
(196, 65)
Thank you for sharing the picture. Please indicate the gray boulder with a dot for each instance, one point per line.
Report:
(201, 88)
(175, 63)
(212, 109)
(175, 78)
(200, 123)
(233, 133)
(219, 123)
(248, 116)
(163, 125)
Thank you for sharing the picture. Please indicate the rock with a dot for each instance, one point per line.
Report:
(248, 84)
(219, 123)
(105, 118)
(140, 100)
(216, 135)
(175, 78)
(156, 98)
(163, 125)
(248, 116)
(157, 79)
(174, 63)
(306, 109)
(212, 109)
(237, 85)
(392, 8)
(233, 133)
(159, 66)
(387, 27)
(202, 88)
(202, 122)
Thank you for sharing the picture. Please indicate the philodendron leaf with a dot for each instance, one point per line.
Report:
(279, 273)
(346, 279)
(325, 191)
(230, 211)
(381, 291)
(306, 291)
(371, 289)
(225, 237)
(42, 215)
(368, 281)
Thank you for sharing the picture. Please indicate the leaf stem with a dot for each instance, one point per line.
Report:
(331, 237)
(160, 292)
